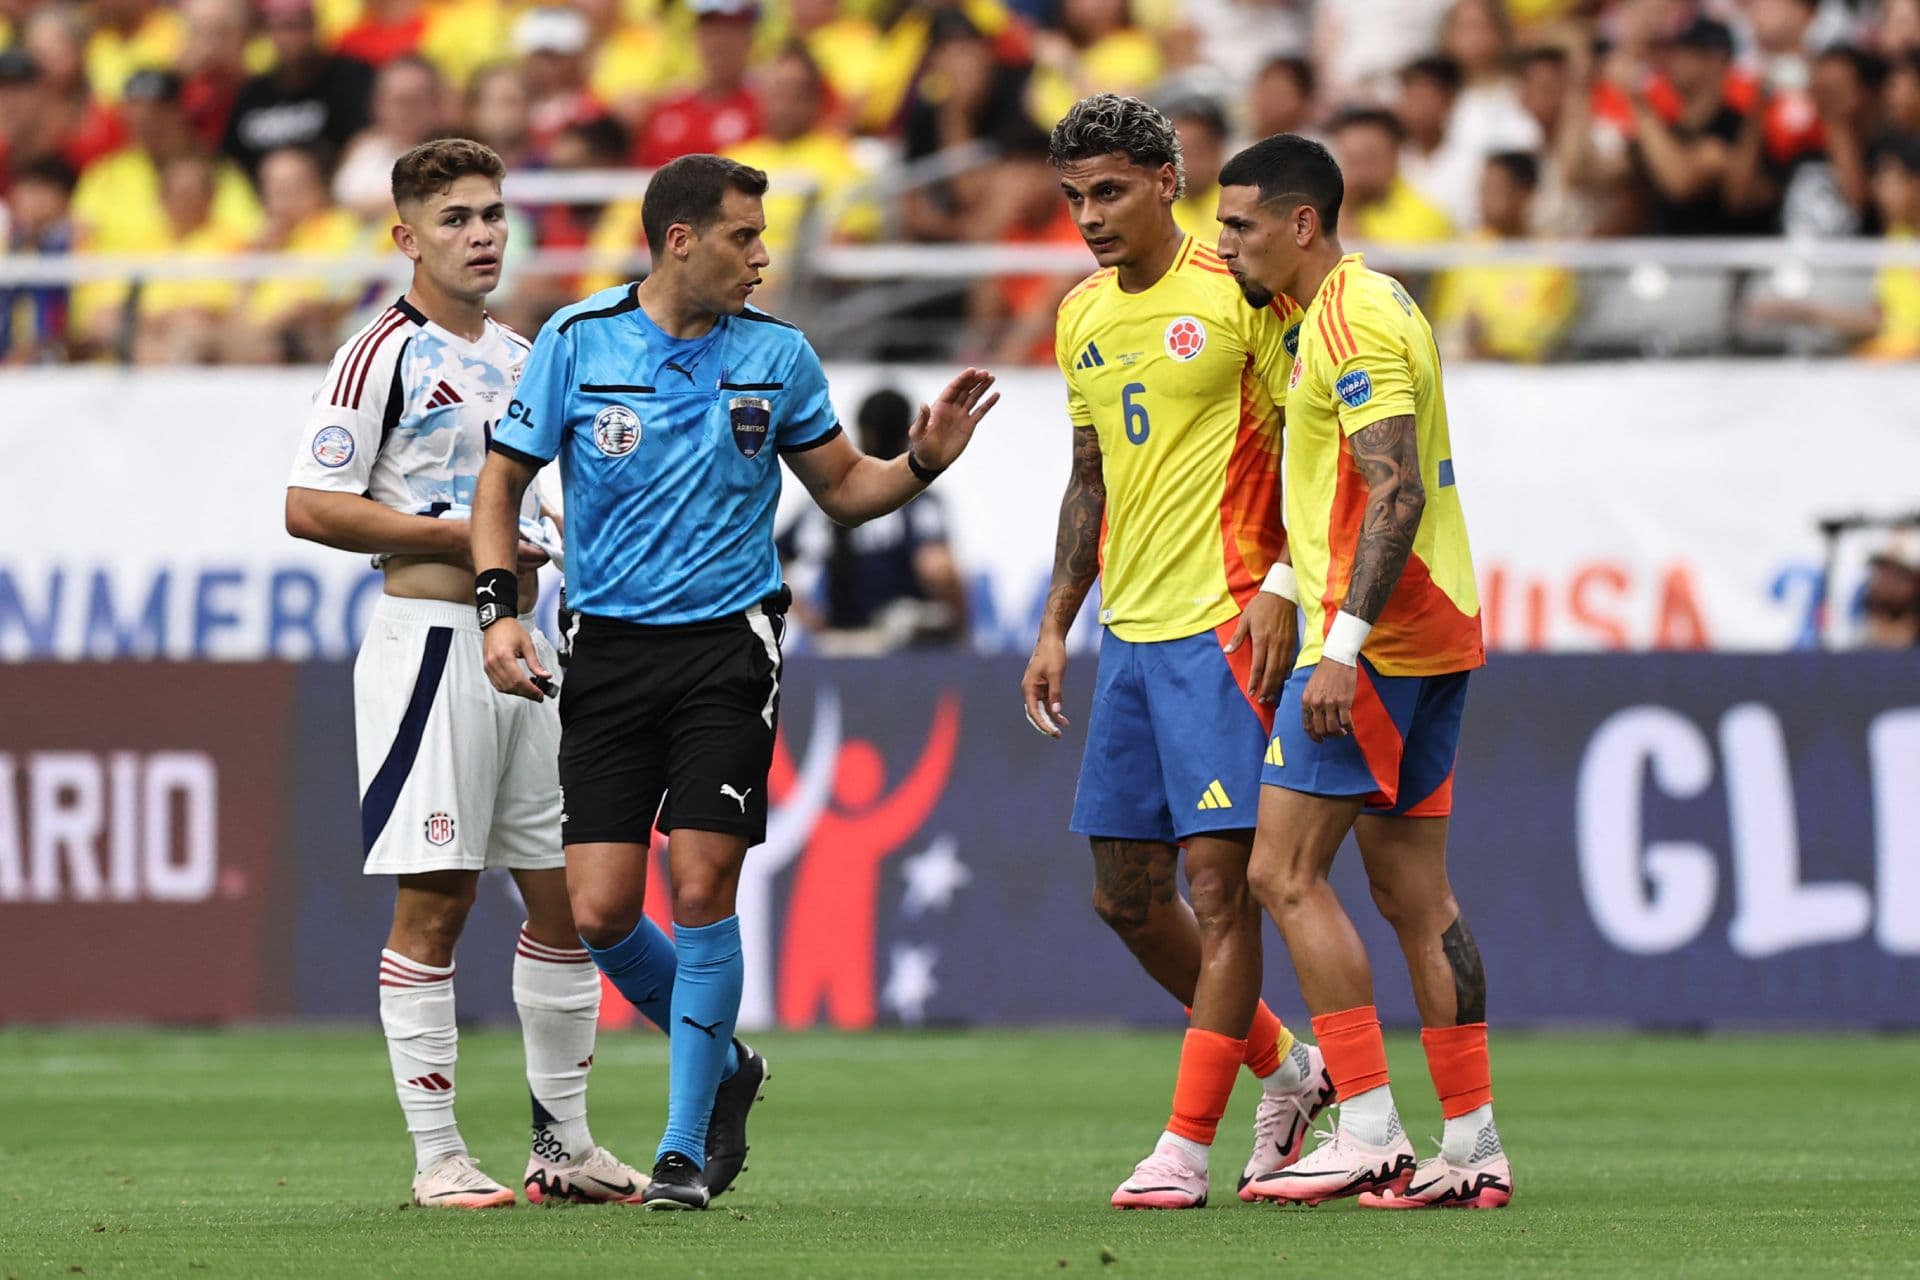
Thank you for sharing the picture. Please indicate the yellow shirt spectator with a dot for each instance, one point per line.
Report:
(1512, 311)
(848, 50)
(1402, 217)
(113, 57)
(117, 203)
(208, 241)
(1897, 290)
(1125, 61)
(332, 233)
(641, 61)
(462, 36)
(1195, 212)
(902, 49)
(823, 161)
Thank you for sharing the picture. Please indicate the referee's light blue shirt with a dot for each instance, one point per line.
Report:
(668, 453)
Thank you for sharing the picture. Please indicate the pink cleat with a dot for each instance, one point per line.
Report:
(455, 1182)
(1441, 1184)
(1281, 1123)
(600, 1178)
(1164, 1180)
(1340, 1166)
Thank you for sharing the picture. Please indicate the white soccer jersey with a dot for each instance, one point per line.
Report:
(406, 411)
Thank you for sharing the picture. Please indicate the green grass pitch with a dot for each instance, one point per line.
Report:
(278, 1153)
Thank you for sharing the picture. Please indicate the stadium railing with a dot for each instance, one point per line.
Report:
(1638, 297)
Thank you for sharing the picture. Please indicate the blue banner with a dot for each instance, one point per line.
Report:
(1681, 840)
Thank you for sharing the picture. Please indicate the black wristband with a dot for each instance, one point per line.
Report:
(496, 594)
(925, 475)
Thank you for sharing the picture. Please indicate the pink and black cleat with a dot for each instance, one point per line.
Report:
(1340, 1166)
(1164, 1180)
(1441, 1184)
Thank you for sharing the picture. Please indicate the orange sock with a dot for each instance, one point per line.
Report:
(1268, 1041)
(1209, 1062)
(1457, 1060)
(1356, 1053)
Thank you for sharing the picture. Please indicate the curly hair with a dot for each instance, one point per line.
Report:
(432, 167)
(1110, 122)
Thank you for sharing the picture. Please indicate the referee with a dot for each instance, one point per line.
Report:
(666, 403)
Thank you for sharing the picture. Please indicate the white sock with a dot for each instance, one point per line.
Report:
(1195, 1153)
(416, 1012)
(1471, 1138)
(558, 994)
(1291, 1073)
(1371, 1117)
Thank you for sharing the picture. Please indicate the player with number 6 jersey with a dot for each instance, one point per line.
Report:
(1174, 390)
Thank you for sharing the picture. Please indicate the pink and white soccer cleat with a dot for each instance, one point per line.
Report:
(1283, 1120)
(600, 1178)
(1164, 1180)
(455, 1182)
(1340, 1166)
(1441, 1184)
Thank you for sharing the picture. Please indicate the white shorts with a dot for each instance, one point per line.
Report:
(454, 774)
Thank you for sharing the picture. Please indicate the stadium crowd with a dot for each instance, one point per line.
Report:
(205, 128)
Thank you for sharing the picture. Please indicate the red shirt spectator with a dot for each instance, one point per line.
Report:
(721, 113)
(388, 31)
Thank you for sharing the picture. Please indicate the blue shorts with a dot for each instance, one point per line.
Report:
(1406, 733)
(1174, 742)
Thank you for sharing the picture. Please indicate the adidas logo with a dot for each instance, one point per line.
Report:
(1090, 358)
(433, 1082)
(1274, 757)
(1214, 797)
(443, 395)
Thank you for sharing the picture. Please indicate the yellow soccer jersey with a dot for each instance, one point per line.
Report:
(1366, 354)
(1184, 382)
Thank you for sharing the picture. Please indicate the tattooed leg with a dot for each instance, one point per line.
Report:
(1136, 893)
(1406, 861)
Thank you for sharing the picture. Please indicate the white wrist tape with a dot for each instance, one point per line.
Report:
(1282, 582)
(1345, 637)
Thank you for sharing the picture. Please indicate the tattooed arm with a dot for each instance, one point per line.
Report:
(1388, 455)
(1076, 563)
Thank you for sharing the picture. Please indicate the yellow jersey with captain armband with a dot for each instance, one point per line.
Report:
(1184, 382)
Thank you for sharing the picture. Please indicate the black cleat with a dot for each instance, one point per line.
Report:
(677, 1184)
(727, 1126)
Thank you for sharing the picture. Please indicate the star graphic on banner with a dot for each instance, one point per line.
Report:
(933, 877)
(910, 983)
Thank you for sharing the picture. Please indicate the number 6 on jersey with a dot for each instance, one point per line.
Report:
(1134, 414)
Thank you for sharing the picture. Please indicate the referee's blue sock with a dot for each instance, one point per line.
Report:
(641, 968)
(706, 1001)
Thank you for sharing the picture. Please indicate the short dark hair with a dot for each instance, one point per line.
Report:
(1870, 67)
(1110, 122)
(689, 191)
(1902, 149)
(1521, 166)
(884, 418)
(1368, 118)
(1299, 70)
(604, 138)
(1549, 53)
(432, 167)
(1444, 72)
(1289, 165)
(1200, 107)
(49, 170)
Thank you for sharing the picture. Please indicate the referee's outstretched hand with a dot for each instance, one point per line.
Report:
(941, 430)
(510, 655)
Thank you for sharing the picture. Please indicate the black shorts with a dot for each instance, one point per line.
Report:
(683, 712)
